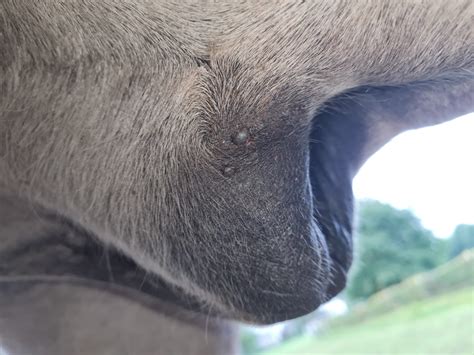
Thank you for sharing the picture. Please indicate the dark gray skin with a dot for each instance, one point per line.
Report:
(203, 153)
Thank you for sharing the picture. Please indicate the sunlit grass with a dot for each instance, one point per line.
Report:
(438, 325)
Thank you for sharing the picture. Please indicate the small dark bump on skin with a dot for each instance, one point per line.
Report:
(228, 171)
(241, 137)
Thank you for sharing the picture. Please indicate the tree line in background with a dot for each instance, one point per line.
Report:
(392, 245)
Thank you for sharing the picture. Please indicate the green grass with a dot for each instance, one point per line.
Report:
(443, 324)
(453, 275)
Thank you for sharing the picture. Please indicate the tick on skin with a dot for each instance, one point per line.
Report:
(228, 171)
(241, 137)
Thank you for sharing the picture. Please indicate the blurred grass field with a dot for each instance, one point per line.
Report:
(441, 325)
(405, 320)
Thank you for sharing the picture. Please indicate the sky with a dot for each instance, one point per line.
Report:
(429, 171)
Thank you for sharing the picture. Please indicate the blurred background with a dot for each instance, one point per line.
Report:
(411, 288)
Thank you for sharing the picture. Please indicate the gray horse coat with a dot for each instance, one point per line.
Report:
(166, 165)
